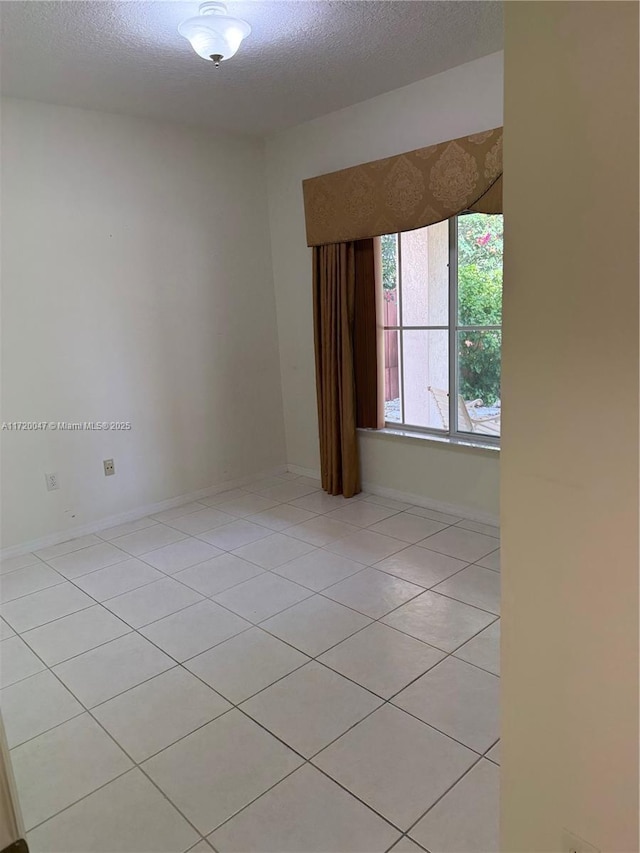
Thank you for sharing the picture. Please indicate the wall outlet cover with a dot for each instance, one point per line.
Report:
(109, 467)
(52, 481)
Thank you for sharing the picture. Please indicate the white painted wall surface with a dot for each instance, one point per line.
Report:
(136, 286)
(457, 102)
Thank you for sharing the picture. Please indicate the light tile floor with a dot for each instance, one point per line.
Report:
(265, 670)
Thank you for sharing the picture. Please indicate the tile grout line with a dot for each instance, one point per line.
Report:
(257, 625)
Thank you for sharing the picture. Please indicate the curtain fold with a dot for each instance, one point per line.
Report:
(334, 285)
(368, 335)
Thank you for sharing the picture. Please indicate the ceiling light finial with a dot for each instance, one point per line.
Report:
(213, 34)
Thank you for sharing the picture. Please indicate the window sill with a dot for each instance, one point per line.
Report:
(391, 433)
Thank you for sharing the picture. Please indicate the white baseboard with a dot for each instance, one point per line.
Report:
(132, 515)
(303, 472)
(417, 500)
(150, 509)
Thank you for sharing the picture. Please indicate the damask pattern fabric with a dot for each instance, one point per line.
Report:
(405, 192)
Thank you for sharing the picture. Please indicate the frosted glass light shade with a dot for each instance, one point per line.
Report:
(213, 34)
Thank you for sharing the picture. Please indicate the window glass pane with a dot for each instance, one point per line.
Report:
(479, 382)
(392, 408)
(389, 248)
(480, 269)
(424, 257)
(426, 378)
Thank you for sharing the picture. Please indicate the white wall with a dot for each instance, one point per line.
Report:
(136, 286)
(461, 101)
(570, 427)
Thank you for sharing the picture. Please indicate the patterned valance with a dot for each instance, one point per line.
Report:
(406, 192)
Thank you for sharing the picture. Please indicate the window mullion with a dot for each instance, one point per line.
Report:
(400, 333)
(453, 322)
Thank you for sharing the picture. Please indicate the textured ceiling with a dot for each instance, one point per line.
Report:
(302, 60)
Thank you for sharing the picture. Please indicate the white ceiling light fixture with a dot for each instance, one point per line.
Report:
(213, 34)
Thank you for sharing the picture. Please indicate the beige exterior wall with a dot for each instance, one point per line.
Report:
(424, 260)
(569, 460)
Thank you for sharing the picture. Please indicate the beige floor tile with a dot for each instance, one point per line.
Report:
(246, 664)
(157, 713)
(34, 705)
(310, 708)
(314, 815)
(211, 774)
(319, 569)
(314, 625)
(321, 530)
(72, 635)
(458, 699)
(494, 754)
(236, 534)
(57, 768)
(282, 516)
(395, 764)
(466, 819)
(67, 547)
(214, 576)
(143, 541)
(259, 598)
(129, 815)
(112, 668)
(491, 561)
(246, 505)
(439, 621)
(206, 518)
(17, 661)
(366, 547)
(474, 585)
(89, 559)
(484, 649)
(409, 528)
(461, 544)
(193, 630)
(361, 513)
(418, 565)
(152, 602)
(478, 527)
(180, 555)
(373, 593)
(273, 551)
(21, 582)
(118, 579)
(10, 564)
(36, 609)
(179, 511)
(382, 659)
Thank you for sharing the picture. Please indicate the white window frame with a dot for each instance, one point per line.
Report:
(453, 329)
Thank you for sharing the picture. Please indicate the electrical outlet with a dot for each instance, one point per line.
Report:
(52, 481)
(109, 468)
(572, 844)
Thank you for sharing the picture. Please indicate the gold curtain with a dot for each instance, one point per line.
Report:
(406, 192)
(345, 211)
(368, 335)
(334, 281)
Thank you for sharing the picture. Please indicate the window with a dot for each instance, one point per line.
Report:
(443, 327)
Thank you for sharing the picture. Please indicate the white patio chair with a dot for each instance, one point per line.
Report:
(466, 422)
